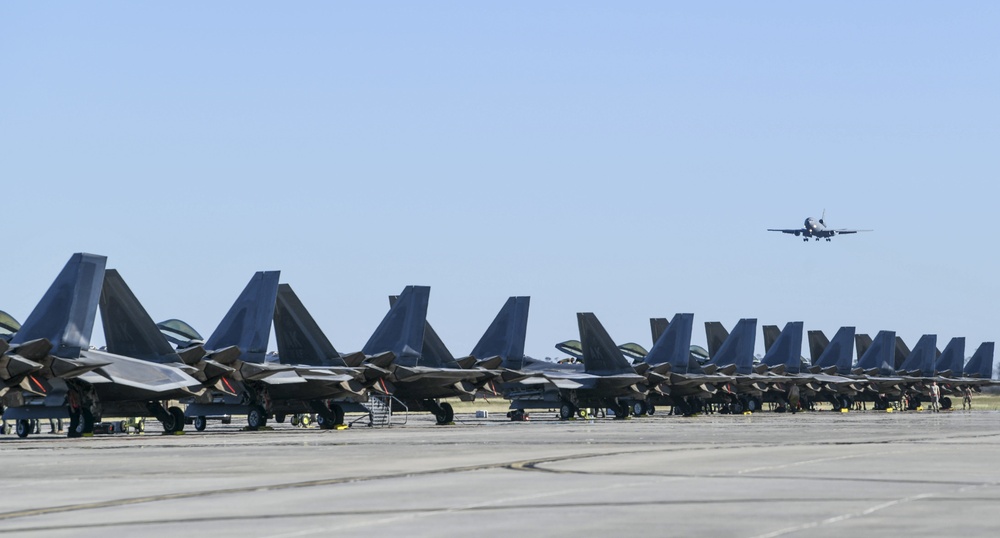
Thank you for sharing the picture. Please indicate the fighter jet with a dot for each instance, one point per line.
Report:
(815, 229)
(607, 379)
(302, 343)
(259, 389)
(674, 375)
(424, 371)
(106, 384)
(783, 357)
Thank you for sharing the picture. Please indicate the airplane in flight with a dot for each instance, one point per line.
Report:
(816, 229)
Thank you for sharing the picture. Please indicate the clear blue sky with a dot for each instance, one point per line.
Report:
(619, 158)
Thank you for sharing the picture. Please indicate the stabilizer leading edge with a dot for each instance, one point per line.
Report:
(674, 344)
(786, 349)
(247, 325)
(128, 329)
(402, 329)
(65, 316)
(300, 340)
(600, 354)
(506, 335)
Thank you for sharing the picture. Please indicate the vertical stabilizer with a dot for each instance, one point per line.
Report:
(817, 343)
(657, 326)
(434, 353)
(952, 358)
(600, 354)
(300, 340)
(881, 354)
(402, 328)
(128, 328)
(838, 353)
(771, 334)
(862, 342)
(921, 358)
(66, 314)
(674, 344)
(981, 363)
(247, 325)
(786, 348)
(506, 335)
(715, 335)
(738, 347)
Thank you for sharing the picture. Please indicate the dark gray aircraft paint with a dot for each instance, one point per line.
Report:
(816, 229)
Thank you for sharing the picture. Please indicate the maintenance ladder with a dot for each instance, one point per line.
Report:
(379, 408)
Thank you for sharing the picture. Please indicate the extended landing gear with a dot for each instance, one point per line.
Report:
(640, 408)
(256, 418)
(81, 422)
(174, 421)
(566, 411)
(331, 417)
(621, 410)
(200, 423)
(447, 414)
(24, 427)
(443, 411)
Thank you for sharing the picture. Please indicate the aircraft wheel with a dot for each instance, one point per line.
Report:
(257, 417)
(447, 414)
(639, 408)
(23, 428)
(324, 423)
(200, 423)
(295, 420)
(650, 409)
(583, 413)
(178, 418)
(338, 413)
(566, 411)
(945, 402)
(752, 405)
(736, 407)
(280, 418)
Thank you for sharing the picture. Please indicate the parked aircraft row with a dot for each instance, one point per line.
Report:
(49, 370)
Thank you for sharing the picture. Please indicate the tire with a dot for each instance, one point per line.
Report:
(200, 423)
(256, 418)
(736, 407)
(639, 408)
(280, 419)
(945, 402)
(447, 414)
(324, 423)
(566, 411)
(174, 422)
(295, 420)
(753, 405)
(650, 409)
(338, 413)
(23, 428)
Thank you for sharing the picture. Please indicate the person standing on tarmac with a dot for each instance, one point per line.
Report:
(967, 398)
(935, 396)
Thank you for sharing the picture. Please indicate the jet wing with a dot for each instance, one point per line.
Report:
(842, 232)
(138, 374)
(786, 231)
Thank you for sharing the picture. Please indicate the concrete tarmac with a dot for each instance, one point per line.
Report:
(765, 475)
